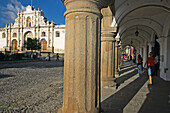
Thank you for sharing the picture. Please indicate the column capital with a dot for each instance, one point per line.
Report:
(108, 34)
(77, 4)
(152, 43)
(161, 39)
(103, 39)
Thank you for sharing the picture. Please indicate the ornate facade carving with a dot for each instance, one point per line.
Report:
(32, 24)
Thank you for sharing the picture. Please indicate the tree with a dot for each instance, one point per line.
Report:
(32, 44)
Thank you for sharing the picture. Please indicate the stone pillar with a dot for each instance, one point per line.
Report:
(18, 36)
(38, 32)
(140, 51)
(107, 56)
(119, 56)
(129, 51)
(10, 43)
(22, 34)
(144, 53)
(163, 41)
(151, 46)
(6, 35)
(49, 39)
(52, 36)
(82, 57)
(116, 59)
(137, 53)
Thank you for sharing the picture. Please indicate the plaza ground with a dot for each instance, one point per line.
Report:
(31, 86)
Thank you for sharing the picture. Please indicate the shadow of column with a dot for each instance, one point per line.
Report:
(158, 100)
(117, 102)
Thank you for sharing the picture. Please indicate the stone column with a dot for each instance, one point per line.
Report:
(18, 36)
(38, 32)
(119, 56)
(6, 35)
(107, 56)
(22, 34)
(137, 53)
(163, 56)
(140, 51)
(144, 53)
(82, 56)
(151, 46)
(49, 39)
(10, 43)
(116, 59)
(52, 36)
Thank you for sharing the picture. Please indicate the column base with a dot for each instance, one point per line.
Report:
(117, 74)
(61, 111)
(108, 82)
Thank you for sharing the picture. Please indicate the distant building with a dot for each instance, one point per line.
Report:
(32, 24)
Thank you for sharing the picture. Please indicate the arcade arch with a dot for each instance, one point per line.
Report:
(149, 15)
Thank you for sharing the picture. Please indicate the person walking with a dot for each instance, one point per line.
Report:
(140, 64)
(57, 57)
(151, 61)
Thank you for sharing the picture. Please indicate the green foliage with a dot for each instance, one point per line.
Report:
(32, 44)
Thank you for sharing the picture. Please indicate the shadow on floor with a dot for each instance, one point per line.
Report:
(121, 79)
(117, 102)
(158, 100)
(125, 70)
(126, 65)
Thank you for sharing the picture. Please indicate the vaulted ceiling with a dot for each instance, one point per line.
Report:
(148, 17)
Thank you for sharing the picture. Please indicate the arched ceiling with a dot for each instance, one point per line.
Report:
(148, 17)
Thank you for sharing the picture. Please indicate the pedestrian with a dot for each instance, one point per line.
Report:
(49, 56)
(150, 61)
(57, 57)
(140, 65)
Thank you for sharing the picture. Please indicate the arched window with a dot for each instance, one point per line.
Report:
(57, 34)
(14, 35)
(28, 22)
(3, 35)
(43, 34)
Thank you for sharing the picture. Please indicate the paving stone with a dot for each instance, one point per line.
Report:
(31, 87)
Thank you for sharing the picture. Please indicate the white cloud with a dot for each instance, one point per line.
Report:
(9, 13)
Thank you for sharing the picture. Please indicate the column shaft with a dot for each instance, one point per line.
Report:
(107, 61)
(82, 62)
(116, 59)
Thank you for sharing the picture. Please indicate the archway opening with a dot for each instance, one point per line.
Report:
(27, 35)
(14, 45)
(43, 45)
(129, 53)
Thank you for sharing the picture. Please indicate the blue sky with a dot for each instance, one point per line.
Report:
(53, 10)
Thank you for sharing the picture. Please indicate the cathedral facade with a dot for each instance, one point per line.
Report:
(32, 24)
